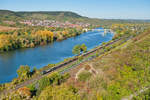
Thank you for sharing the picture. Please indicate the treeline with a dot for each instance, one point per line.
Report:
(37, 90)
(128, 29)
(30, 37)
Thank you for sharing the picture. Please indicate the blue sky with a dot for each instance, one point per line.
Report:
(109, 9)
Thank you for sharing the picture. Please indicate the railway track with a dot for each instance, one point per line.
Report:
(92, 57)
(75, 58)
(46, 72)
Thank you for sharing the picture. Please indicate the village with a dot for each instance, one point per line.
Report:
(53, 23)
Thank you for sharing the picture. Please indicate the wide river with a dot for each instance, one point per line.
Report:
(48, 54)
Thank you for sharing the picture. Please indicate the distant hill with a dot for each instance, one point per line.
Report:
(50, 13)
(59, 16)
(44, 15)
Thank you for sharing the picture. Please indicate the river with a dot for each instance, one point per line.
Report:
(48, 54)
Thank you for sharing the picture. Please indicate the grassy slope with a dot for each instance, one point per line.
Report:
(121, 72)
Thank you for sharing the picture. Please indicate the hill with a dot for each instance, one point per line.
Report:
(45, 15)
(62, 16)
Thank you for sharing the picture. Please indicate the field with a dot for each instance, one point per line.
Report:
(6, 28)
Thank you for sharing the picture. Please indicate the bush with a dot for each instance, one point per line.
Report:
(143, 96)
(59, 93)
(83, 76)
(32, 89)
(42, 83)
(23, 72)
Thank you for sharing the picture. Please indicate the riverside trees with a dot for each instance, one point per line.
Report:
(77, 49)
(121, 72)
(23, 40)
(30, 37)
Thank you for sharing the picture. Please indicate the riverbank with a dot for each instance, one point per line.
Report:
(117, 67)
(14, 41)
(72, 62)
(43, 55)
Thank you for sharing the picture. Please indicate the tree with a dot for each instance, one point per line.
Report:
(23, 72)
(83, 48)
(24, 92)
(59, 93)
(79, 48)
(34, 70)
(5, 42)
(42, 83)
(76, 49)
(32, 89)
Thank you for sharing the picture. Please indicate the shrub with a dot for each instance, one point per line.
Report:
(83, 76)
(59, 93)
(32, 89)
(23, 72)
(42, 83)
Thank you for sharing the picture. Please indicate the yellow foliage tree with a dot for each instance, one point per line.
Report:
(45, 35)
(5, 42)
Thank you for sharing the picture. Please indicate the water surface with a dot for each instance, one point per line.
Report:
(43, 55)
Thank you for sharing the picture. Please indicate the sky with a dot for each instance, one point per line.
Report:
(107, 9)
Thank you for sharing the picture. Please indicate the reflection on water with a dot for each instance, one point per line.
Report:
(43, 55)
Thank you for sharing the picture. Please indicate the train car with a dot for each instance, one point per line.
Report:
(43, 72)
(49, 70)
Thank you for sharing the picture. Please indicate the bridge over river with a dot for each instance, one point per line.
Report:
(99, 30)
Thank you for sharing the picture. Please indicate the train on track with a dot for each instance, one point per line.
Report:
(76, 57)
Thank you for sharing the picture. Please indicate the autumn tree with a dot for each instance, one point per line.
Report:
(24, 92)
(23, 72)
(76, 49)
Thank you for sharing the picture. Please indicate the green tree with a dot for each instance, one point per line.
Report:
(76, 49)
(79, 48)
(42, 83)
(34, 70)
(83, 48)
(32, 89)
